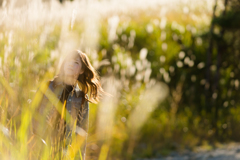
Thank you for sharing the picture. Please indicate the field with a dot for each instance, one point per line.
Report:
(152, 58)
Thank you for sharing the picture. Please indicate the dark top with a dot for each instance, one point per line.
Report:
(66, 91)
(76, 107)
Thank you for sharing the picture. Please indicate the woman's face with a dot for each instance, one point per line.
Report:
(72, 68)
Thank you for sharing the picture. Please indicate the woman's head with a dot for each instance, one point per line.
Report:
(77, 68)
(72, 67)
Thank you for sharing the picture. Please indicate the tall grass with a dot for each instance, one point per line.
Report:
(35, 37)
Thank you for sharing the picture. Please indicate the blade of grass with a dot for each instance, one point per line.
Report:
(104, 152)
(8, 88)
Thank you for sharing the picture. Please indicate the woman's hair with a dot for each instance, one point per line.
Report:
(89, 79)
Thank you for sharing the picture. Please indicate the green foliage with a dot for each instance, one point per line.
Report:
(148, 49)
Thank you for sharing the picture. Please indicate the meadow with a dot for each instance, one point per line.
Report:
(167, 94)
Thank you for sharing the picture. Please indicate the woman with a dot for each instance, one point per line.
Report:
(65, 107)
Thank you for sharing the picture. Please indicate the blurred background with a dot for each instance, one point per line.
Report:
(172, 67)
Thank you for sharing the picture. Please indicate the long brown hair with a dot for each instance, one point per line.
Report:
(89, 80)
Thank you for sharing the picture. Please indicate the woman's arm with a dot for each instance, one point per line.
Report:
(37, 122)
(45, 112)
